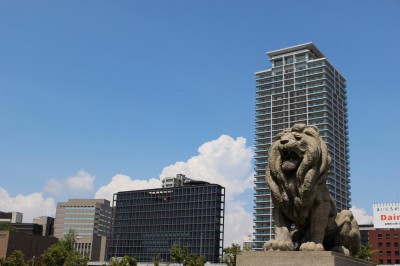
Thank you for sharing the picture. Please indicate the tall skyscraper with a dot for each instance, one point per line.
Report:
(90, 219)
(147, 223)
(301, 86)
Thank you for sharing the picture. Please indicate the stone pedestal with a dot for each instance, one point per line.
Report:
(298, 258)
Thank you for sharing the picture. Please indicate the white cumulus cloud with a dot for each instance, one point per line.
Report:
(31, 205)
(124, 183)
(361, 216)
(238, 223)
(78, 184)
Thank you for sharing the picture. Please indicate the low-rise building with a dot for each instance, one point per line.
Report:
(384, 233)
(91, 221)
(47, 224)
(31, 245)
(11, 217)
(386, 242)
(364, 232)
(248, 242)
(29, 228)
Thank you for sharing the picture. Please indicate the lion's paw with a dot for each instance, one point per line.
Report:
(311, 246)
(278, 245)
(342, 250)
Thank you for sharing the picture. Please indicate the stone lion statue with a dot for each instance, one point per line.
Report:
(305, 214)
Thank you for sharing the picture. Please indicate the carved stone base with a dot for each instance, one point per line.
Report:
(298, 258)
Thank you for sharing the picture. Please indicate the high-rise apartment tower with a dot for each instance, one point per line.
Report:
(301, 86)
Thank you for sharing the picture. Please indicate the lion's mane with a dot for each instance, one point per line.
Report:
(298, 186)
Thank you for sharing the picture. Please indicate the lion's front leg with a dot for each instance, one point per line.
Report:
(318, 222)
(283, 239)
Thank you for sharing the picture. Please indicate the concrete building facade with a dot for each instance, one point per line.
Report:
(90, 219)
(301, 86)
(47, 223)
(11, 217)
(175, 181)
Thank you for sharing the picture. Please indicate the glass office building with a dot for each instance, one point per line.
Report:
(301, 86)
(147, 223)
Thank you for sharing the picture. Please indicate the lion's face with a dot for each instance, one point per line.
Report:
(292, 145)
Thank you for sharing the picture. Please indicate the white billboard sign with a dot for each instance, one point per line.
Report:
(386, 215)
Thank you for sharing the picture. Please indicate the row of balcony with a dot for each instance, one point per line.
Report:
(268, 90)
(300, 78)
(270, 73)
(318, 106)
(262, 98)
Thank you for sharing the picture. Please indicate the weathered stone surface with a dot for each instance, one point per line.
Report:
(298, 166)
(285, 258)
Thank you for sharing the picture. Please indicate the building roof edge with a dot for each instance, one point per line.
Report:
(308, 45)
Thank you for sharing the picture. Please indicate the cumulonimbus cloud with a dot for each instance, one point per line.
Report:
(223, 161)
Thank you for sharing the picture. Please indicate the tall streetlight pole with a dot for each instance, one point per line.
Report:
(116, 247)
(201, 244)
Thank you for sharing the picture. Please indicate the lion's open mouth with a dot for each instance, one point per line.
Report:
(290, 160)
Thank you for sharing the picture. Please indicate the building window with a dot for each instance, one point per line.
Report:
(397, 261)
(396, 253)
(388, 244)
(380, 253)
(381, 261)
(396, 244)
(396, 236)
(379, 236)
(388, 253)
(379, 244)
(389, 261)
(387, 236)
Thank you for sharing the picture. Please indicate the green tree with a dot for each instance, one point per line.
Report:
(156, 260)
(178, 253)
(195, 260)
(247, 249)
(231, 254)
(15, 259)
(35, 261)
(126, 260)
(63, 253)
(54, 255)
(7, 227)
(365, 252)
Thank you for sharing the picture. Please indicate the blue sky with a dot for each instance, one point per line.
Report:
(94, 89)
